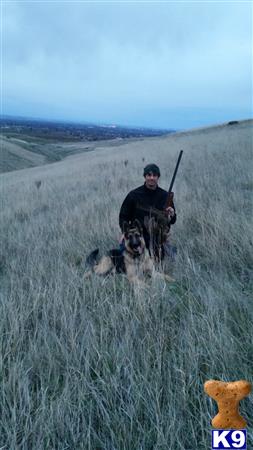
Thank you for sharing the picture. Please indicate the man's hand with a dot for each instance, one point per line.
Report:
(170, 212)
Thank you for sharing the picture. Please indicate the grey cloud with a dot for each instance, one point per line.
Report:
(100, 56)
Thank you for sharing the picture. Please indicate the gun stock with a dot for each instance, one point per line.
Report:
(169, 201)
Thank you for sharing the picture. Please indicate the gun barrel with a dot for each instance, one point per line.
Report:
(175, 171)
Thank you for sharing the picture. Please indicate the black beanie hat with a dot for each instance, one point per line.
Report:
(151, 168)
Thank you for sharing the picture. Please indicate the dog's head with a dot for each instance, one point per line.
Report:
(133, 234)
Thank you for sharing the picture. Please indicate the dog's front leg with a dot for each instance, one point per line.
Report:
(133, 277)
(169, 278)
(149, 267)
(87, 274)
(165, 277)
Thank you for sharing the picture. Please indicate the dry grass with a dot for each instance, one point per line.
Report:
(90, 364)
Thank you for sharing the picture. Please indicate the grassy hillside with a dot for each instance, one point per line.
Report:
(26, 143)
(89, 364)
(30, 152)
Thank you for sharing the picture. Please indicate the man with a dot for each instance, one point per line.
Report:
(138, 203)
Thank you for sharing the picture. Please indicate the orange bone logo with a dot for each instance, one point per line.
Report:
(228, 396)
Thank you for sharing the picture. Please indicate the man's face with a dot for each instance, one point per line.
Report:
(151, 180)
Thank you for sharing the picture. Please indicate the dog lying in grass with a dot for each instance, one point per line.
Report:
(134, 260)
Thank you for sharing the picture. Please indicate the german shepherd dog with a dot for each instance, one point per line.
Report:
(134, 260)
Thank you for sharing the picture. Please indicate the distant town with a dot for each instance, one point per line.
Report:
(69, 132)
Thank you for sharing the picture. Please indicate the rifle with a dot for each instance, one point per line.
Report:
(170, 196)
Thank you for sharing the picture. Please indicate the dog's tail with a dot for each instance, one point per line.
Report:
(92, 259)
(90, 262)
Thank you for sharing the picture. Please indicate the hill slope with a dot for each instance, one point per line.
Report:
(28, 143)
(19, 154)
(90, 364)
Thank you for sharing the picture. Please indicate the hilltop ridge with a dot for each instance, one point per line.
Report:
(21, 150)
(28, 143)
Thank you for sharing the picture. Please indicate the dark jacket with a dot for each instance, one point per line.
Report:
(145, 198)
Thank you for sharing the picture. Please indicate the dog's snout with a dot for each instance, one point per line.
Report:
(136, 241)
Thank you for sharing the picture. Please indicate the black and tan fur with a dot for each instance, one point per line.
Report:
(134, 261)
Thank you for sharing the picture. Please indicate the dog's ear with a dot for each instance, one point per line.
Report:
(137, 224)
(125, 227)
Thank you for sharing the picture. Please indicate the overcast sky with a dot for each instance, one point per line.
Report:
(161, 64)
